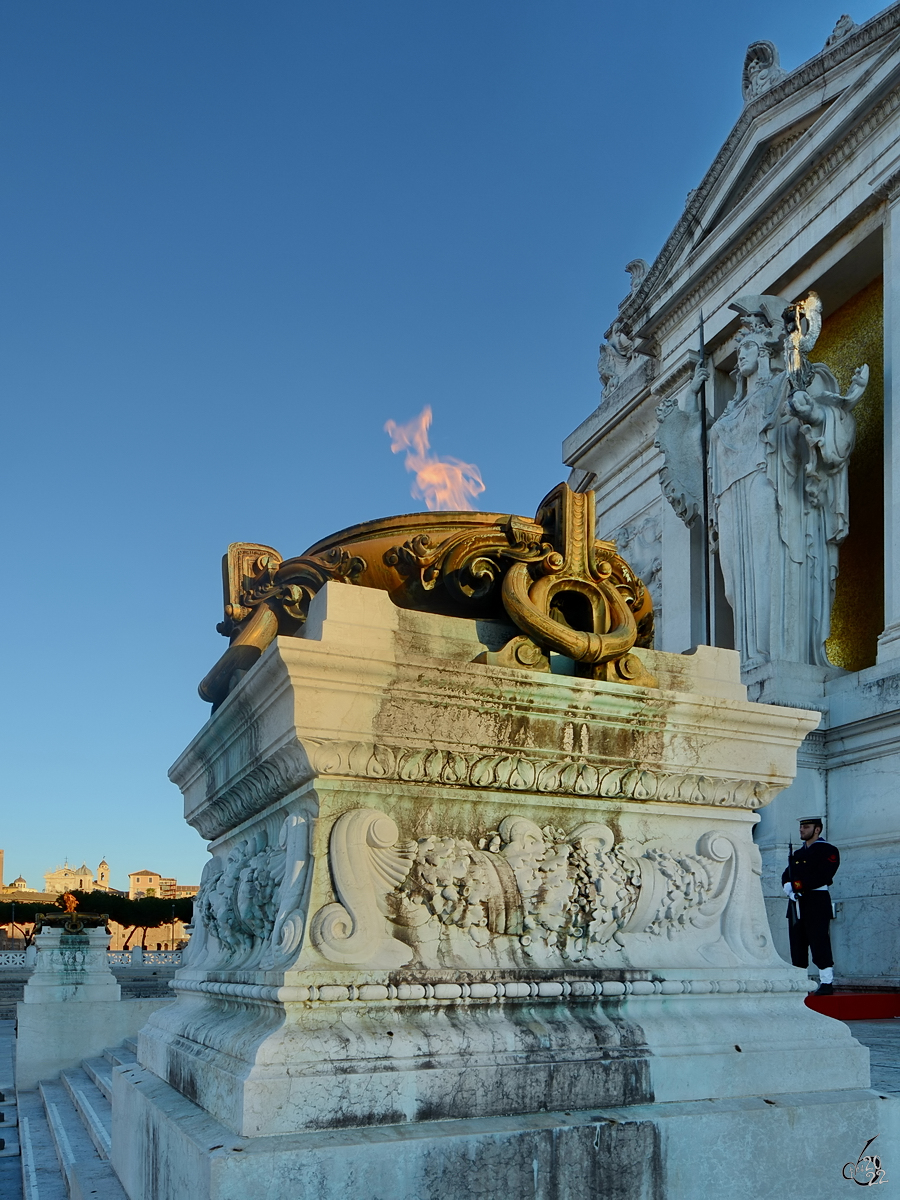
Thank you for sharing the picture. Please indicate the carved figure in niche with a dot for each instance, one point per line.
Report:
(778, 459)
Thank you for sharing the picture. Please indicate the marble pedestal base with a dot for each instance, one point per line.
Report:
(165, 1146)
(72, 1007)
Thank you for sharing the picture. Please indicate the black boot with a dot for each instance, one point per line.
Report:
(824, 989)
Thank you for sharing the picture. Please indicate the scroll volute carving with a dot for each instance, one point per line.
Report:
(366, 864)
(568, 593)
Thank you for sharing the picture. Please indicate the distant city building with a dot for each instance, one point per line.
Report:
(171, 935)
(80, 879)
(70, 879)
(151, 883)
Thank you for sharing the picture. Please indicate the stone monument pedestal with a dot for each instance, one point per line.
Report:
(473, 930)
(72, 1006)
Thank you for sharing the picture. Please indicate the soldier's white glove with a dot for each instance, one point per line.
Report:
(789, 892)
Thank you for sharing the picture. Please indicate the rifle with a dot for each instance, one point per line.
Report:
(793, 913)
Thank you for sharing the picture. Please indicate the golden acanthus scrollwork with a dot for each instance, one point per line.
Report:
(567, 592)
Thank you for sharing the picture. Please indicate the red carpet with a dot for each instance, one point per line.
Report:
(857, 1006)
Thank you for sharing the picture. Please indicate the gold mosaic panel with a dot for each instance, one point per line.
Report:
(851, 336)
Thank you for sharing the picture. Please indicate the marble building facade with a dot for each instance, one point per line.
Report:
(803, 197)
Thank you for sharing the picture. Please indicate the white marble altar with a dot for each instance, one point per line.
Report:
(469, 922)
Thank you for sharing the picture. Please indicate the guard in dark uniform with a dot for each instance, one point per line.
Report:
(806, 881)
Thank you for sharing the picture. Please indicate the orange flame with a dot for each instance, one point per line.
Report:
(445, 484)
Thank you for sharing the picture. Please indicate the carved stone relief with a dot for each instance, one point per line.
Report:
(640, 542)
(251, 907)
(637, 269)
(777, 478)
(618, 354)
(615, 355)
(681, 473)
(844, 27)
(531, 895)
(761, 70)
(366, 863)
(567, 776)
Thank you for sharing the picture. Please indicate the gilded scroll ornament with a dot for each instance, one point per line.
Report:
(568, 593)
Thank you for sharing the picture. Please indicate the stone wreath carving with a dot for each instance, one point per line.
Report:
(567, 592)
(551, 894)
(251, 907)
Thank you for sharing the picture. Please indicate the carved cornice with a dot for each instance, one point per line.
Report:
(888, 189)
(262, 784)
(674, 381)
(523, 773)
(806, 74)
(776, 216)
(294, 765)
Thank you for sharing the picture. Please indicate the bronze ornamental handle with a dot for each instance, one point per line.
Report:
(243, 652)
(551, 635)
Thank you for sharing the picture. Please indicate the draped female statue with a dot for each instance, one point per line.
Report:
(777, 479)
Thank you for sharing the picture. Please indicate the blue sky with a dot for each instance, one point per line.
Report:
(239, 238)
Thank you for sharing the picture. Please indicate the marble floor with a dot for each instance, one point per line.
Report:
(883, 1040)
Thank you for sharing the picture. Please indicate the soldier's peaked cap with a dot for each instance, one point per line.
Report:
(812, 821)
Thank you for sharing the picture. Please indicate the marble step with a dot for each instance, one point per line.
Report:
(42, 1178)
(119, 1056)
(92, 1106)
(131, 1044)
(77, 1129)
(70, 1138)
(96, 1181)
(99, 1071)
(9, 1142)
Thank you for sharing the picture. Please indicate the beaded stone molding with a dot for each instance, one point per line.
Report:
(443, 992)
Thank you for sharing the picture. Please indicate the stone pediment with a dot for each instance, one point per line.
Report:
(762, 157)
(781, 137)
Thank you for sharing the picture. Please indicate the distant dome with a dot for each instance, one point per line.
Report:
(19, 883)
